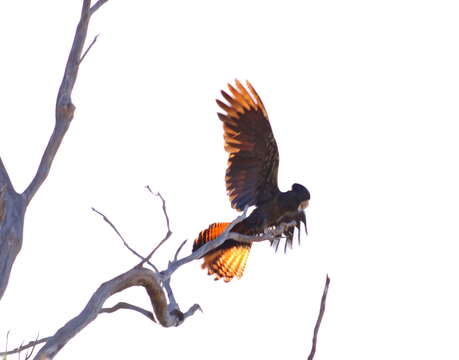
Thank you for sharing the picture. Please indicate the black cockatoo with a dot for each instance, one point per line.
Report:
(251, 180)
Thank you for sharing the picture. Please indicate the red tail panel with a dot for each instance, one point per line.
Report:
(227, 262)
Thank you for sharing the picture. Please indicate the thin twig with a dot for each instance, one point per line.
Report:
(30, 344)
(134, 277)
(179, 249)
(89, 48)
(143, 277)
(319, 319)
(164, 206)
(127, 306)
(173, 306)
(19, 353)
(191, 311)
(168, 234)
(147, 259)
(96, 6)
(7, 336)
(211, 245)
(64, 107)
(28, 355)
(11, 238)
(107, 220)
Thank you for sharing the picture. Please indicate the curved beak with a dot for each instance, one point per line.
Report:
(303, 220)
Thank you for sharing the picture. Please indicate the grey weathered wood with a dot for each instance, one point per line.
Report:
(165, 309)
(319, 319)
(12, 205)
(137, 276)
(12, 211)
(225, 235)
(64, 107)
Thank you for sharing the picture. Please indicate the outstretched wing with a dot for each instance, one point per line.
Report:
(251, 176)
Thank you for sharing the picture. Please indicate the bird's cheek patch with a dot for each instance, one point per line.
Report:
(303, 205)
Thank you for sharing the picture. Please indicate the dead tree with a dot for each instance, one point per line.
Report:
(164, 309)
(12, 204)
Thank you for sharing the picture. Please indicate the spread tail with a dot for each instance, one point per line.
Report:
(228, 260)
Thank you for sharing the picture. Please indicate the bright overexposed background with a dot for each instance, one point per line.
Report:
(363, 101)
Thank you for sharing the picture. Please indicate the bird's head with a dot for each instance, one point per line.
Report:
(300, 201)
(302, 195)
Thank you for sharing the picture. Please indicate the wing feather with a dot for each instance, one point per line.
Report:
(253, 162)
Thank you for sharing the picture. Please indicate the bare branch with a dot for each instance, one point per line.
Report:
(106, 219)
(191, 311)
(11, 232)
(122, 239)
(147, 259)
(170, 295)
(319, 319)
(134, 277)
(29, 354)
(211, 245)
(7, 338)
(89, 48)
(225, 235)
(162, 311)
(179, 249)
(4, 177)
(96, 6)
(127, 306)
(168, 234)
(164, 206)
(166, 310)
(268, 235)
(29, 345)
(64, 106)
(19, 353)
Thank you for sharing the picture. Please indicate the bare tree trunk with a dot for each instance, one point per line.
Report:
(165, 310)
(13, 205)
(12, 210)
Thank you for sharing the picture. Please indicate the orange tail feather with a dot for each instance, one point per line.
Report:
(227, 261)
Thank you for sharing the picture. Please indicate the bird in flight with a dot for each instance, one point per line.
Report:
(251, 180)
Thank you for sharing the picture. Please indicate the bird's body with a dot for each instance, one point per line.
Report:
(251, 179)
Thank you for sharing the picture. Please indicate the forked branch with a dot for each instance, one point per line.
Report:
(13, 204)
(4, 177)
(64, 106)
(127, 306)
(137, 276)
(32, 344)
(165, 309)
(199, 253)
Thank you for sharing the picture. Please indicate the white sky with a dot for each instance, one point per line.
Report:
(363, 101)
